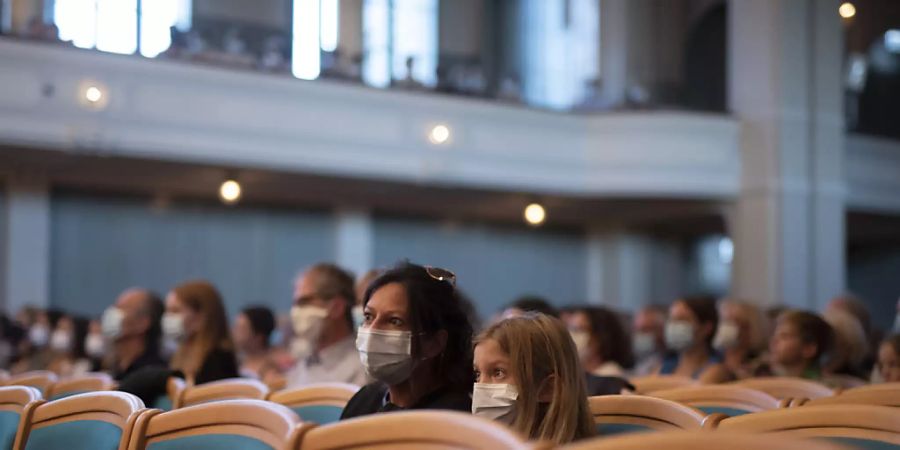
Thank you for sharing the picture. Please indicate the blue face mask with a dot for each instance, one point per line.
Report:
(276, 338)
(359, 316)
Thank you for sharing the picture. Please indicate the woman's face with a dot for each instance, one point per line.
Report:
(888, 363)
(388, 309)
(191, 319)
(242, 332)
(736, 316)
(680, 312)
(492, 364)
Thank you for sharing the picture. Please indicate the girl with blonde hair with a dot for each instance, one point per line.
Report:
(529, 377)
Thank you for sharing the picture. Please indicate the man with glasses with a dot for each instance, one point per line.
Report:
(324, 339)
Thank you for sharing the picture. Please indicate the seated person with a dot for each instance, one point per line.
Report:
(416, 341)
(741, 337)
(67, 344)
(689, 333)
(648, 340)
(195, 318)
(850, 347)
(889, 359)
(797, 346)
(528, 377)
(132, 327)
(252, 332)
(602, 342)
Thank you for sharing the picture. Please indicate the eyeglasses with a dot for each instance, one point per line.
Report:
(441, 275)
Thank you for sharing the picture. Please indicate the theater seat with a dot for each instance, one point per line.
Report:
(786, 388)
(220, 425)
(228, 389)
(91, 382)
(685, 440)
(863, 426)
(619, 414)
(168, 402)
(91, 421)
(320, 403)
(14, 401)
(652, 383)
(421, 430)
(723, 399)
(40, 379)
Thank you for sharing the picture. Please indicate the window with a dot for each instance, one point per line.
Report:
(315, 29)
(111, 25)
(561, 41)
(394, 30)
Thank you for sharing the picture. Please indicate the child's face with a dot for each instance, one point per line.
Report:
(888, 363)
(786, 347)
(492, 364)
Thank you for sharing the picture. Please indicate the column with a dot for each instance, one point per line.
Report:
(784, 86)
(26, 271)
(354, 240)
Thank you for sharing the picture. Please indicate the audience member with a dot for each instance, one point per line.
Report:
(854, 306)
(889, 359)
(741, 337)
(133, 327)
(416, 341)
(251, 332)
(528, 376)
(34, 352)
(323, 328)
(95, 343)
(850, 346)
(601, 340)
(648, 341)
(797, 346)
(689, 333)
(67, 345)
(195, 317)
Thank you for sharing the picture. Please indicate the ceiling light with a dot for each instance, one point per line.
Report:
(439, 134)
(535, 214)
(230, 192)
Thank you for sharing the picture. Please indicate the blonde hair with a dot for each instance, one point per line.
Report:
(203, 298)
(850, 344)
(541, 351)
(757, 323)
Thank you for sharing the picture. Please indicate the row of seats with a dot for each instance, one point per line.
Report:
(118, 421)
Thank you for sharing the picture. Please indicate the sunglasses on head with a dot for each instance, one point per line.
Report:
(439, 274)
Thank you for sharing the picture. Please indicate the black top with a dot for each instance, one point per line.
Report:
(374, 398)
(149, 358)
(597, 385)
(218, 365)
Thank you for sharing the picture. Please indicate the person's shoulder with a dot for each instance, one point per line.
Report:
(455, 400)
(368, 400)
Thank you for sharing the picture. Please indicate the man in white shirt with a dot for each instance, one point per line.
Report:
(325, 341)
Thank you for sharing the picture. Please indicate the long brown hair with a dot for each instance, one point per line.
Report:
(202, 298)
(541, 351)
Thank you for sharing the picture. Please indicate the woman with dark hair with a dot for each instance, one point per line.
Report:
(67, 345)
(689, 336)
(604, 347)
(252, 331)
(416, 341)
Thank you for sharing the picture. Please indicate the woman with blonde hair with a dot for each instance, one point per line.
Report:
(741, 337)
(529, 377)
(195, 318)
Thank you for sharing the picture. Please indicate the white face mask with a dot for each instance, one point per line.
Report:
(679, 335)
(582, 340)
(644, 344)
(386, 355)
(111, 322)
(726, 336)
(494, 401)
(308, 321)
(61, 341)
(173, 326)
(95, 345)
(38, 335)
(359, 316)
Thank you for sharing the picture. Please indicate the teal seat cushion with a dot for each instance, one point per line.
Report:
(320, 414)
(9, 424)
(864, 444)
(75, 435)
(211, 442)
(66, 394)
(163, 402)
(610, 429)
(730, 412)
